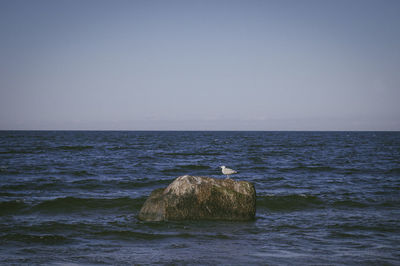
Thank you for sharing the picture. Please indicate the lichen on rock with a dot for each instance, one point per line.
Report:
(201, 198)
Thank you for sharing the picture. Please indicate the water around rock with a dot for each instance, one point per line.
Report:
(201, 198)
(73, 197)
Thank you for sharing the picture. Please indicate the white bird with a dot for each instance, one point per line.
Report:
(227, 171)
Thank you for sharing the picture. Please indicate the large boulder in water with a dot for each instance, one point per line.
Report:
(201, 198)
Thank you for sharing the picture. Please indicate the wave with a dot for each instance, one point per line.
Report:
(91, 184)
(22, 169)
(341, 235)
(308, 169)
(127, 147)
(126, 234)
(276, 153)
(58, 227)
(78, 173)
(393, 171)
(179, 168)
(7, 194)
(11, 207)
(27, 151)
(261, 168)
(391, 203)
(144, 182)
(41, 239)
(35, 184)
(194, 166)
(257, 159)
(145, 157)
(268, 179)
(73, 204)
(350, 171)
(365, 203)
(349, 203)
(374, 227)
(22, 188)
(296, 202)
(190, 153)
(288, 202)
(74, 148)
(6, 171)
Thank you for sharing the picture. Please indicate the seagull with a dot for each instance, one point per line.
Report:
(227, 171)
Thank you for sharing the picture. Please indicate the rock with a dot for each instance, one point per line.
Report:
(201, 198)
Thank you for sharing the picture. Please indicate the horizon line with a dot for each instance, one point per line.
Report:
(197, 130)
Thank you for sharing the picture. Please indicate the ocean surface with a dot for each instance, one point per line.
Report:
(72, 197)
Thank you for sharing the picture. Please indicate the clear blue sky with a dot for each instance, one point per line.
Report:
(200, 65)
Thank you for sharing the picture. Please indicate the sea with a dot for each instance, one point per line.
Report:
(323, 198)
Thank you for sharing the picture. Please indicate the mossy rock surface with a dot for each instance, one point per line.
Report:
(201, 198)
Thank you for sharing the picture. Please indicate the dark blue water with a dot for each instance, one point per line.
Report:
(322, 197)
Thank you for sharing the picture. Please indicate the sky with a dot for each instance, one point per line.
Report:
(199, 65)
